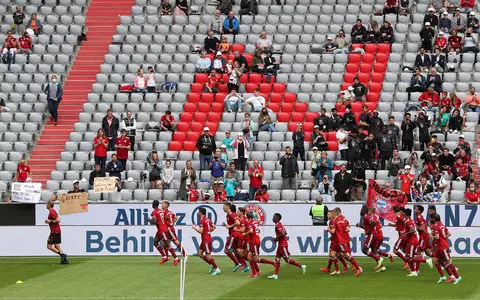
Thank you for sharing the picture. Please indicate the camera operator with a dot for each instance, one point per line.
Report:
(326, 189)
(289, 170)
(367, 150)
(358, 181)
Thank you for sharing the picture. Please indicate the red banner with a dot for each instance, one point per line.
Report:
(384, 201)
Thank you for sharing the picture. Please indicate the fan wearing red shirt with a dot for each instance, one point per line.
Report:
(205, 228)
(460, 170)
(252, 240)
(282, 247)
(193, 194)
(399, 247)
(55, 238)
(407, 179)
(220, 192)
(100, 144)
(158, 218)
(212, 83)
(456, 102)
(472, 196)
(9, 47)
(233, 236)
(25, 43)
(262, 194)
(454, 40)
(441, 256)
(429, 98)
(23, 172)
(122, 144)
(446, 101)
(170, 220)
(255, 174)
(167, 122)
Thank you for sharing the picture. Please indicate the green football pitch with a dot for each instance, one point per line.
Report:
(143, 278)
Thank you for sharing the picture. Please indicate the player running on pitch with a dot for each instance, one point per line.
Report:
(424, 237)
(333, 256)
(158, 218)
(241, 246)
(252, 240)
(205, 228)
(282, 247)
(54, 240)
(399, 247)
(411, 236)
(232, 239)
(441, 251)
(170, 220)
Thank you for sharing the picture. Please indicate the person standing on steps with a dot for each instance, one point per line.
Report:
(110, 125)
(54, 92)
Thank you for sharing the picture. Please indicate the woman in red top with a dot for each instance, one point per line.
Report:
(23, 172)
(456, 102)
(472, 196)
(445, 100)
(100, 144)
(441, 42)
(262, 194)
(455, 40)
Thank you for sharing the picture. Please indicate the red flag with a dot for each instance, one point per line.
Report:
(384, 201)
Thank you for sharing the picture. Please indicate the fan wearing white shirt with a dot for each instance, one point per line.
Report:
(233, 102)
(130, 125)
(258, 102)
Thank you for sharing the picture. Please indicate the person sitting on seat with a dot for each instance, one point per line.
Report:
(231, 24)
(9, 48)
(358, 32)
(203, 63)
(233, 102)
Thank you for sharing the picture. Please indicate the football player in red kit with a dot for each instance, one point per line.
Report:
(411, 237)
(232, 239)
(441, 251)
(241, 246)
(422, 229)
(400, 244)
(158, 218)
(252, 239)
(205, 228)
(170, 220)
(282, 247)
(55, 237)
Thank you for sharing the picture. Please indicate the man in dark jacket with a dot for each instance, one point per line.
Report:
(349, 118)
(423, 187)
(76, 188)
(427, 34)
(393, 131)
(359, 32)
(354, 150)
(407, 133)
(423, 124)
(206, 146)
(342, 184)
(54, 92)
(385, 144)
(417, 83)
(298, 142)
(386, 33)
(322, 120)
(434, 79)
(367, 150)
(289, 170)
(446, 160)
(431, 18)
(211, 42)
(114, 167)
(359, 89)
(248, 7)
(376, 123)
(334, 121)
(422, 60)
(98, 172)
(110, 125)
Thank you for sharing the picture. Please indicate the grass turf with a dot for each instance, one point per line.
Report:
(142, 278)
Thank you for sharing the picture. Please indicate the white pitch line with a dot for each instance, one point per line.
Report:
(205, 298)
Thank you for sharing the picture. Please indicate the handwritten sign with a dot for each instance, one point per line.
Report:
(73, 203)
(104, 184)
(26, 192)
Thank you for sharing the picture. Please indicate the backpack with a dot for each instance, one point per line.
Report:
(170, 87)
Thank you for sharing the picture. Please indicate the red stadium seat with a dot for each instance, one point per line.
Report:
(190, 146)
(189, 107)
(289, 97)
(283, 117)
(351, 67)
(381, 58)
(203, 107)
(377, 77)
(214, 117)
(196, 88)
(292, 126)
(193, 136)
(371, 106)
(193, 97)
(379, 68)
(230, 57)
(244, 79)
(332, 146)
(375, 87)
(368, 58)
(210, 55)
(307, 134)
(175, 146)
(224, 78)
(207, 97)
(348, 77)
(217, 107)
(272, 79)
(308, 126)
(201, 78)
(265, 88)
(275, 107)
(250, 87)
(279, 88)
(364, 77)
(179, 136)
(220, 97)
(356, 46)
(345, 85)
(371, 48)
(249, 58)
(332, 136)
(255, 78)
(384, 48)
(298, 117)
(186, 117)
(212, 126)
(365, 68)
(238, 47)
(223, 88)
(354, 58)
(276, 98)
(196, 127)
(183, 126)
(287, 107)
(310, 116)
(373, 97)
(301, 107)
(356, 107)
(200, 117)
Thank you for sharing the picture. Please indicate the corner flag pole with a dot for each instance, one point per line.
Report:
(183, 268)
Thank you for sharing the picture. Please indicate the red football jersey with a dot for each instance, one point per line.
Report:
(122, 153)
(368, 223)
(231, 218)
(254, 237)
(411, 237)
(243, 224)
(340, 230)
(206, 224)
(22, 172)
(169, 218)
(346, 224)
(281, 234)
(54, 227)
(333, 239)
(442, 242)
(400, 224)
(158, 214)
(420, 222)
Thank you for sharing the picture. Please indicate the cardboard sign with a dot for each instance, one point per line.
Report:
(73, 203)
(104, 184)
(26, 192)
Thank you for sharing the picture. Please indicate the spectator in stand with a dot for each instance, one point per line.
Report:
(408, 180)
(203, 63)
(215, 23)
(298, 138)
(234, 77)
(155, 170)
(393, 131)
(472, 101)
(437, 146)
(358, 181)
(314, 166)
(114, 167)
(417, 83)
(122, 144)
(230, 184)
(446, 161)
(258, 65)
(376, 123)
(206, 146)
(100, 145)
(167, 175)
(354, 150)
(248, 7)
(472, 23)
(262, 194)
(427, 34)
(434, 79)
(130, 125)
(264, 43)
(404, 7)
(423, 186)
(462, 145)
(454, 40)
(459, 21)
(429, 99)
(317, 139)
(9, 48)
(231, 24)
(359, 90)
(395, 165)
(23, 173)
(347, 96)
(236, 174)
(224, 154)
(428, 154)
(227, 140)
(431, 18)
(441, 45)
(359, 32)
(140, 83)
(467, 5)
(445, 100)
(386, 33)
(188, 176)
(456, 122)
(224, 46)
(219, 191)
(441, 184)
(233, 102)
(408, 126)
(390, 7)
(181, 8)
(241, 60)
(97, 172)
(324, 166)
(265, 122)
(322, 120)
(455, 101)
(364, 119)
(460, 170)
(453, 59)
(342, 139)
(470, 44)
(373, 33)
(3, 107)
(110, 125)
(335, 120)
(151, 84)
(212, 83)
(25, 43)
(241, 151)
(255, 173)
(368, 150)
(76, 189)
(342, 184)
(219, 63)
(167, 122)
(289, 170)
(445, 23)
(472, 196)
(248, 127)
(18, 17)
(443, 120)
(341, 43)
(166, 8)
(438, 63)
(464, 156)
(34, 24)
(210, 43)
(329, 45)
(422, 61)
(271, 65)
(349, 118)
(257, 101)
(54, 92)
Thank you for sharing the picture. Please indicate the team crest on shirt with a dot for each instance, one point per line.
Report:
(382, 205)
(258, 213)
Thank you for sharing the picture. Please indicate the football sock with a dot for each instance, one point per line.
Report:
(354, 262)
(438, 266)
(257, 267)
(212, 262)
(266, 261)
(204, 257)
(335, 263)
(447, 268)
(373, 255)
(172, 251)
(160, 249)
(342, 260)
(454, 270)
(252, 266)
(296, 264)
(329, 263)
(242, 261)
(381, 253)
(233, 257)
(400, 254)
(277, 267)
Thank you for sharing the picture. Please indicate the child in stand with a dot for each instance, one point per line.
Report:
(193, 194)
(230, 185)
(224, 154)
(220, 193)
(167, 175)
(224, 46)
